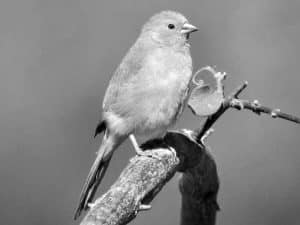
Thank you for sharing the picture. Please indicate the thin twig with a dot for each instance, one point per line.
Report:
(232, 101)
(257, 108)
(238, 91)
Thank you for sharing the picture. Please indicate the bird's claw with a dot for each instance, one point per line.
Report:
(173, 150)
(150, 154)
(91, 205)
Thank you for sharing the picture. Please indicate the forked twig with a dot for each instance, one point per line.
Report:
(232, 101)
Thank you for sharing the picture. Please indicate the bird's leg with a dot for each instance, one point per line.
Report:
(140, 151)
(136, 146)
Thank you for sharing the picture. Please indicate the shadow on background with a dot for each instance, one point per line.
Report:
(56, 58)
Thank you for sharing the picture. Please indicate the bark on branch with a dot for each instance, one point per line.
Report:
(144, 177)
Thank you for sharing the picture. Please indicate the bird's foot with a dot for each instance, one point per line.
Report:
(91, 205)
(173, 150)
(139, 151)
(148, 153)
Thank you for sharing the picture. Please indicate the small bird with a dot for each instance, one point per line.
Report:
(146, 94)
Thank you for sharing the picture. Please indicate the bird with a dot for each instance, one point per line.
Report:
(146, 94)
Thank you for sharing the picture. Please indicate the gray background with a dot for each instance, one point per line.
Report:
(56, 58)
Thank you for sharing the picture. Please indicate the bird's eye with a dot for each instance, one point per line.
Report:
(171, 26)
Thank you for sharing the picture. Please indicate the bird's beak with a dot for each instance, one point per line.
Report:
(188, 28)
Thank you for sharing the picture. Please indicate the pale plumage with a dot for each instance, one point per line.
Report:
(147, 92)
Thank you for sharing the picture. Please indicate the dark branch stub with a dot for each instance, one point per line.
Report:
(199, 184)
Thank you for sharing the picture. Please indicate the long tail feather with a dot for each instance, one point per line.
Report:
(100, 176)
(96, 174)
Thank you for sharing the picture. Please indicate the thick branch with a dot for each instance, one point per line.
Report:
(144, 177)
(199, 187)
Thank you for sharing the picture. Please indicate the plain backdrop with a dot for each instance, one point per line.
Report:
(56, 58)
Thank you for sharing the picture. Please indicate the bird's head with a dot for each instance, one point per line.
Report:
(168, 28)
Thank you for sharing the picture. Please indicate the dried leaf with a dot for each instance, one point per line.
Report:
(207, 95)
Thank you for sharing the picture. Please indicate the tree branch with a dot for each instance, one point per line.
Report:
(232, 101)
(257, 108)
(144, 177)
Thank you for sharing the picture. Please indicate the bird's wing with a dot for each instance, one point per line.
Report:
(125, 74)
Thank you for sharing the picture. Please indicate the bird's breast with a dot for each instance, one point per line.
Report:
(165, 78)
(168, 70)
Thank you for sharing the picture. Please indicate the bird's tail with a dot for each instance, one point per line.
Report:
(109, 144)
